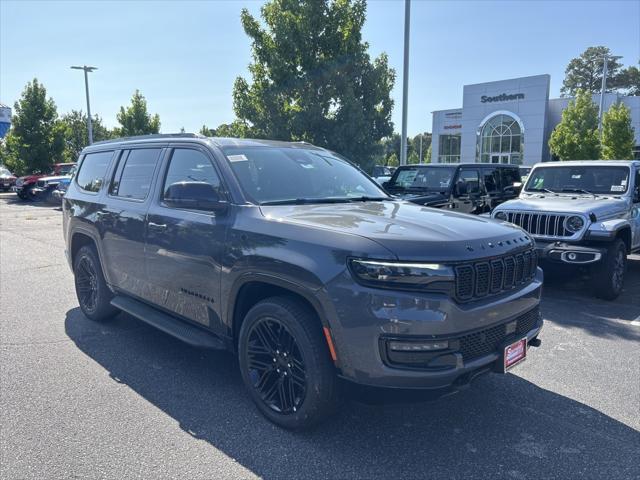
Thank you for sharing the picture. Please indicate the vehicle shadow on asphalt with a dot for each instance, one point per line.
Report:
(570, 302)
(503, 426)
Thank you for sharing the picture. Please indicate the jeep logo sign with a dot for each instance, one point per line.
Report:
(502, 98)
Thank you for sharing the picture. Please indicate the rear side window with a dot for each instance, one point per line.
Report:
(93, 170)
(471, 180)
(134, 174)
(491, 179)
(510, 176)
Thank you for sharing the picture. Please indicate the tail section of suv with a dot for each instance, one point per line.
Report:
(294, 259)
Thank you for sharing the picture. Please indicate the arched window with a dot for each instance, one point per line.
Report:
(501, 140)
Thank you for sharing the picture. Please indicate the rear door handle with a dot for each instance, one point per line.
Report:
(158, 226)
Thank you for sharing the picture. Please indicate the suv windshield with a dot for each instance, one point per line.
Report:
(422, 178)
(596, 179)
(296, 175)
(4, 171)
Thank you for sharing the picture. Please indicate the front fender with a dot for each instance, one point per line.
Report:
(607, 229)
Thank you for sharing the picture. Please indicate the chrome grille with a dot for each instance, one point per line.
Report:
(540, 224)
(493, 276)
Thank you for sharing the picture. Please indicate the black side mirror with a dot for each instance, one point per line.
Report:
(385, 184)
(461, 188)
(194, 196)
(636, 196)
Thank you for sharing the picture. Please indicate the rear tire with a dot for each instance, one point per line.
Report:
(285, 363)
(94, 296)
(609, 278)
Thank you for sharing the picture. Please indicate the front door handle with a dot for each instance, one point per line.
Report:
(158, 226)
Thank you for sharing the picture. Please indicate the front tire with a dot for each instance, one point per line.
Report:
(285, 363)
(609, 279)
(94, 296)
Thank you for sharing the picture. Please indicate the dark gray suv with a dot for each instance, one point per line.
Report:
(297, 261)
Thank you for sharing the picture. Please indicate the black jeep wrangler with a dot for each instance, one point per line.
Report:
(465, 187)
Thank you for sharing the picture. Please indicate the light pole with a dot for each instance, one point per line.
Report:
(405, 82)
(86, 87)
(605, 71)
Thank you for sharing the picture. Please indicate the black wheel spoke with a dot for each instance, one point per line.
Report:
(276, 367)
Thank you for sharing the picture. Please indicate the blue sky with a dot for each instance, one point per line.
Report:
(185, 55)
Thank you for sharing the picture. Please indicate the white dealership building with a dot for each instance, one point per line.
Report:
(509, 121)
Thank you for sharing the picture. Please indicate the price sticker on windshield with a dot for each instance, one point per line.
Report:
(617, 188)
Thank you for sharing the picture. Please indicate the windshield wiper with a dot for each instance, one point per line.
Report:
(364, 198)
(578, 190)
(305, 201)
(546, 190)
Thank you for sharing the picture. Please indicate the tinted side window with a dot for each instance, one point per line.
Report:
(189, 165)
(471, 179)
(93, 169)
(491, 179)
(510, 176)
(134, 174)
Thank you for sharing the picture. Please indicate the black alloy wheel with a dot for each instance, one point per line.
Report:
(87, 284)
(94, 295)
(276, 366)
(286, 364)
(609, 275)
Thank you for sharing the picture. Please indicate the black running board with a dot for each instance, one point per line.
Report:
(175, 327)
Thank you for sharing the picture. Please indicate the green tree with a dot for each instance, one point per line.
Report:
(617, 133)
(206, 131)
(427, 156)
(585, 72)
(76, 136)
(576, 136)
(36, 139)
(313, 80)
(235, 129)
(630, 80)
(135, 120)
(392, 160)
(426, 142)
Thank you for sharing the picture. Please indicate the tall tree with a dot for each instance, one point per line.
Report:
(313, 80)
(576, 136)
(630, 80)
(617, 133)
(36, 139)
(585, 72)
(135, 120)
(75, 133)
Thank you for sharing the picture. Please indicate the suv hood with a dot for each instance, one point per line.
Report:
(409, 231)
(601, 206)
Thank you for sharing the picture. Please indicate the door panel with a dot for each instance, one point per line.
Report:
(469, 196)
(122, 220)
(635, 214)
(184, 247)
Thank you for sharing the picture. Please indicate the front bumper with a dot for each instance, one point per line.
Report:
(366, 319)
(566, 253)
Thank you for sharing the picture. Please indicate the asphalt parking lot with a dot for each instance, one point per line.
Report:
(121, 400)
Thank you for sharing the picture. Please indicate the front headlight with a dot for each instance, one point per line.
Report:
(574, 223)
(403, 276)
(501, 216)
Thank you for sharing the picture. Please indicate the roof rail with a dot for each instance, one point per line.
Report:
(151, 136)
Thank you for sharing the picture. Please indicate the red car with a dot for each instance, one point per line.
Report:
(24, 185)
(7, 179)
